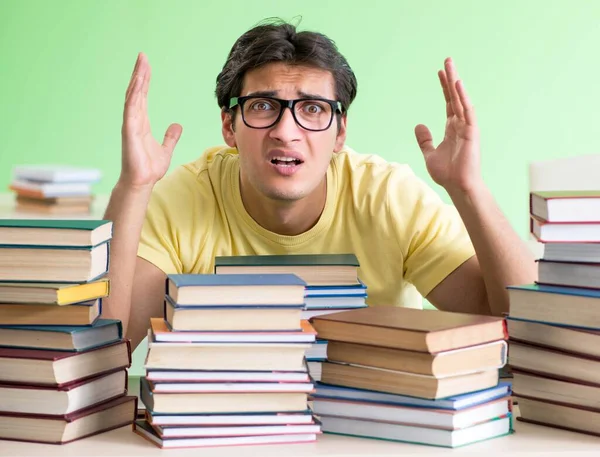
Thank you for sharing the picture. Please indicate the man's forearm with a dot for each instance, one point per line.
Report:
(127, 209)
(503, 257)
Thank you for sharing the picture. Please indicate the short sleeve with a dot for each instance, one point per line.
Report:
(431, 233)
(158, 242)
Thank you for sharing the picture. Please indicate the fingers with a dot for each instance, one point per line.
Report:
(424, 139)
(444, 84)
(132, 103)
(133, 76)
(172, 137)
(468, 109)
(451, 79)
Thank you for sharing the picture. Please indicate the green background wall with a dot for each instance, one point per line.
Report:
(531, 68)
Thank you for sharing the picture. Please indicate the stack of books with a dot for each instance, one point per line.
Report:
(226, 365)
(401, 374)
(332, 285)
(63, 369)
(54, 189)
(554, 325)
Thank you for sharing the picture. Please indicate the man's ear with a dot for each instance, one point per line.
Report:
(340, 139)
(227, 128)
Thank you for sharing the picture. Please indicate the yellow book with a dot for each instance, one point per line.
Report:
(53, 293)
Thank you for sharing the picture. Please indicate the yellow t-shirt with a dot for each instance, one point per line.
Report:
(403, 234)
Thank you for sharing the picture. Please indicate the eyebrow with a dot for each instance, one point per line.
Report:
(273, 93)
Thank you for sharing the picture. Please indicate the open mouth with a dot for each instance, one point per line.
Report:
(286, 162)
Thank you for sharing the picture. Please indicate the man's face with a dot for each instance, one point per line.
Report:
(265, 165)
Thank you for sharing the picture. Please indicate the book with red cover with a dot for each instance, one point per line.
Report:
(64, 429)
(58, 368)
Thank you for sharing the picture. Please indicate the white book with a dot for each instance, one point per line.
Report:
(49, 190)
(56, 173)
(415, 434)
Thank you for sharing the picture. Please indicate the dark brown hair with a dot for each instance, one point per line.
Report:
(278, 41)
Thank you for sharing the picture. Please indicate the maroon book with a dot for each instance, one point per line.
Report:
(103, 417)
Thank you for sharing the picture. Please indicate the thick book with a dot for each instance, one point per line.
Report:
(569, 306)
(417, 434)
(404, 383)
(542, 387)
(57, 368)
(161, 332)
(564, 416)
(53, 264)
(569, 274)
(563, 338)
(219, 403)
(454, 402)
(566, 206)
(233, 318)
(84, 313)
(53, 293)
(226, 356)
(455, 362)
(229, 387)
(60, 430)
(67, 399)
(568, 366)
(572, 252)
(54, 232)
(444, 419)
(145, 430)
(315, 269)
(410, 329)
(565, 232)
(235, 289)
(62, 338)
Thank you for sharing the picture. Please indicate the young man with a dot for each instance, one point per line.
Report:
(286, 184)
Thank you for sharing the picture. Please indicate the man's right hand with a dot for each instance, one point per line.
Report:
(144, 160)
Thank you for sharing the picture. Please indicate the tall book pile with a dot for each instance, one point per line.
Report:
(53, 189)
(63, 369)
(226, 366)
(332, 285)
(554, 325)
(419, 376)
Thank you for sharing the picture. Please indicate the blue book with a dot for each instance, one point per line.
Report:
(456, 402)
(235, 289)
(359, 289)
(62, 338)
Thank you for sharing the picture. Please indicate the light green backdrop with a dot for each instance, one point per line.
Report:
(531, 68)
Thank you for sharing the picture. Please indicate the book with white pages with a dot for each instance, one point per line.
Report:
(170, 431)
(185, 376)
(572, 252)
(48, 190)
(310, 313)
(339, 302)
(334, 290)
(445, 419)
(57, 173)
(145, 430)
(299, 418)
(160, 332)
(232, 387)
(456, 402)
(417, 434)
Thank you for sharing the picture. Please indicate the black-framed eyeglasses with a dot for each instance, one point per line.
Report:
(314, 114)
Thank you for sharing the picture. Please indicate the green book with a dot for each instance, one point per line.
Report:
(314, 269)
(54, 232)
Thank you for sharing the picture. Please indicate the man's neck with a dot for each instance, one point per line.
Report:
(285, 217)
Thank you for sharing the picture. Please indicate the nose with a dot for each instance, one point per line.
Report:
(286, 130)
